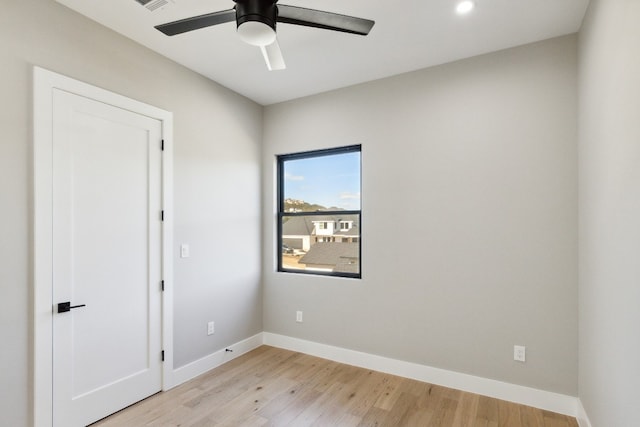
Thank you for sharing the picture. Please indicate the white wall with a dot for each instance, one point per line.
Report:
(217, 192)
(469, 217)
(609, 379)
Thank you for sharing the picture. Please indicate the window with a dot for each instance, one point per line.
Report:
(319, 209)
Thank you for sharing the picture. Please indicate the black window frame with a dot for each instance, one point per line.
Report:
(281, 159)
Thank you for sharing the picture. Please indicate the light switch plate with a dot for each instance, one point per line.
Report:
(184, 251)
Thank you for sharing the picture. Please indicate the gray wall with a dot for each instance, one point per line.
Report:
(480, 155)
(217, 190)
(609, 165)
(469, 217)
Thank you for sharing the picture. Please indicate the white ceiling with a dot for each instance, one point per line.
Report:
(407, 36)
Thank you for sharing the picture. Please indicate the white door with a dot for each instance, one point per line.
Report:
(106, 257)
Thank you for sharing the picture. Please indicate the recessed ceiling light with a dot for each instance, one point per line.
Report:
(465, 7)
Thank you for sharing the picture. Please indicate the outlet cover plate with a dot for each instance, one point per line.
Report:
(519, 353)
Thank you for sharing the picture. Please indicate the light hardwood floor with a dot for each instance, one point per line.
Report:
(275, 387)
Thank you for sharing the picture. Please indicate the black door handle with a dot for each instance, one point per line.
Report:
(63, 307)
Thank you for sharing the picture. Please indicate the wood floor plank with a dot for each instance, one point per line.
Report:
(401, 410)
(508, 414)
(572, 422)
(251, 421)
(444, 413)
(277, 388)
(331, 375)
(419, 418)
(373, 417)
(239, 409)
(390, 393)
(285, 415)
(488, 413)
(320, 406)
(369, 394)
(555, 422)
(466, 411)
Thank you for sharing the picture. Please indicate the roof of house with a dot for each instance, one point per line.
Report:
(297, 226)
(347, 265)
(331, 253)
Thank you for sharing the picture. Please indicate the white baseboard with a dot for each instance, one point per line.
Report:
(583, 419)
(560, 403)
(550, 401)
(205, 364)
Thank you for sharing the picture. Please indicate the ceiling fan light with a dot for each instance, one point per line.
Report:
(256, 33)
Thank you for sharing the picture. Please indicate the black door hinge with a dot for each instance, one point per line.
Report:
(162, 355)
(162, 145)
(161, 215)
(162, 285)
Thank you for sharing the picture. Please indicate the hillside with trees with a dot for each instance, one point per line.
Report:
(293, 205)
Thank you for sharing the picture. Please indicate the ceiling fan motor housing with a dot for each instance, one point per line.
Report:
(264, 11)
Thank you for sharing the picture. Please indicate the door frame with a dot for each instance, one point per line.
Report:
(44, 82)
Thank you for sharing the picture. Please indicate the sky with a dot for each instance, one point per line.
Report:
(330, 181)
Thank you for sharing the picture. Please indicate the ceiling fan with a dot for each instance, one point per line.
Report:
(256, 24)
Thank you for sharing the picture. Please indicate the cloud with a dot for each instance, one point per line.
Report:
(290, 177)
(347, 195)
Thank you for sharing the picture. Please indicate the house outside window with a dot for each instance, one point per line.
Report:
(319, 216)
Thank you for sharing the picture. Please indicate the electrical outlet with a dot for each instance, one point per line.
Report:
(299, 316)
(211, 328)
(519, 353)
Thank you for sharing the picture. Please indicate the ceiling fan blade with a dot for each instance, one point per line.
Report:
(325, 20)
(197, 22)
(273, 56)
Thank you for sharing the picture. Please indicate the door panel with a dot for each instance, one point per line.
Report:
(106, 255)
